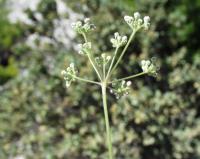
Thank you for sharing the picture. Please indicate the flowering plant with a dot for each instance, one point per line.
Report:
(104, 65)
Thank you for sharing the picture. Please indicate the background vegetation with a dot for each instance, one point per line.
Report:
(40, 119)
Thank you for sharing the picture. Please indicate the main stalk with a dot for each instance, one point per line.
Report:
(108, 130)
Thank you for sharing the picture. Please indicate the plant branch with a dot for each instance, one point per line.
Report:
(91, 59)
(112, 62)
(104, 70)
(108, 131)
(85, 38)
(129, 77)
(124, 50)
(85, 80)
(94, 66)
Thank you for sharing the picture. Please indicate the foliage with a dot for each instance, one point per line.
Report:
(160, 117)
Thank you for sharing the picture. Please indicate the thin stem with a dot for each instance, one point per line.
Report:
(91, 59)
(124, 50)
(104, 70)
(84, 36)
(85, 80)
(108, 131)
(94, 66)
(112, 62)
(129, 77)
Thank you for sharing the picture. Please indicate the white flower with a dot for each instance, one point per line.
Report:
(128, 83)
(71, 65)
(87, 20)
(149, 67)
(108, 58)
(83, 28)
(146, 22)
(85, 48)
(63, 72)
(102, 60)
(136, 22)
(76, 25)
(146, 19)
(136, 15)
(69, 74)
(120, 88)
(128, 19)
(118, 40)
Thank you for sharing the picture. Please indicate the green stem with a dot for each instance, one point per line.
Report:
(108, 131)
(85, 80)
(129, 77)
(91, 59)
(93, 65)
(112, 62)
(85, 38)
(104, 70)
(124, 50)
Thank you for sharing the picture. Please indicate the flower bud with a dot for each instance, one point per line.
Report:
(69, 74)
(136, 22)
(83, 28)
(146, 22)
(103, 60)
(85, 48)
(87, 20)
(120, 89)
(149, 67)
(136, 15)
(128, 19)
(118, 40)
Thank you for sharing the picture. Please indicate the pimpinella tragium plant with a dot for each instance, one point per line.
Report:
(104, 65)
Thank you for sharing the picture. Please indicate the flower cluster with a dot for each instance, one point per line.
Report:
(102, 60)
(69, 74)
(149, 66)
(136, 22)
(120, 88)
(83, 28)
(118, 40)
(85, 48)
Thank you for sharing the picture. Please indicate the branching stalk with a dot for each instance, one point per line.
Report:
(129, 77)
(123, 52)
(112, 62)
(104, 70)
(104, 74)
(85, 80)
(108, 131)
(85, 38)
(94, 66)
(91, 59)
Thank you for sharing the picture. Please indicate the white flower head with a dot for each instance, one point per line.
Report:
(149, 67)
(136, 22)
(146, 22)
(136, 15)
(87, 20)
(146, 19)
(63, 72)
(102, 60)
(85, 48)
(83, 27)
(128, 83)
(120, 89)
(108, 58)
(118, 40)
(129, 20)
(71, 65)
(77, 25)
(69, 74)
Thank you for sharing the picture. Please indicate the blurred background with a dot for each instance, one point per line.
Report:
(41, 119)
